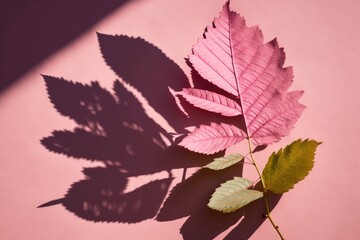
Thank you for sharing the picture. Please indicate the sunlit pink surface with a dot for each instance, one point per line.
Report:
(322, 42)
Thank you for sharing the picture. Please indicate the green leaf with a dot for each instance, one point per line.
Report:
(232, 195)
(224, 162)
(289, 166)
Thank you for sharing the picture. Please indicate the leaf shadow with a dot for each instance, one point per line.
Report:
(101, 197)
(254, 216)
(147, 69)
(205, 223)
(114, 130)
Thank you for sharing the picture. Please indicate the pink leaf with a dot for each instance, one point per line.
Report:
(213, 138)
(272, 125)
(211, 101)
(234, 58)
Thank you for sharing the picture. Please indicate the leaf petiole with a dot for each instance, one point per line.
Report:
(268, 215)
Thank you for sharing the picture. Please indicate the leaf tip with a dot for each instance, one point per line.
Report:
(274, 42)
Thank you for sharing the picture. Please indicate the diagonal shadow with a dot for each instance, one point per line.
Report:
(33, 30)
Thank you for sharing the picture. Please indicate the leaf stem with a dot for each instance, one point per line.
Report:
(184, 174)
(268, 215)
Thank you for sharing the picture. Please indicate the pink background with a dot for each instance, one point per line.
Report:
(322, 41)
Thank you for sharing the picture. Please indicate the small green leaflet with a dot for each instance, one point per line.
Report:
(233, 195)
(289, 166)
(224, 162)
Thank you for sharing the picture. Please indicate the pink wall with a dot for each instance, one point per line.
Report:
(322, 41)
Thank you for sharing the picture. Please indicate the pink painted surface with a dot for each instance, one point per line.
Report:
(322, 42)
